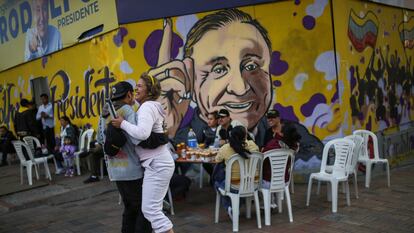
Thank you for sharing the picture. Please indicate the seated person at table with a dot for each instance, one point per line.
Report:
(288, 138)
(275, 126)
(239, 144)
(6, 146)
(209, 133)
(225, 125)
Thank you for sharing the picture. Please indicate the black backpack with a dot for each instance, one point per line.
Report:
(114, 140)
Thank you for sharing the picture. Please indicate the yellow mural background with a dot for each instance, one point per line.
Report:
(298, 46)
(75, 61)
(389, 19)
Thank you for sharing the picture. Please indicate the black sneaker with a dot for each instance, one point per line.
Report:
(91, 179)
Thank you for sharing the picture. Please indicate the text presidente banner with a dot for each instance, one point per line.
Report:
(33, 28)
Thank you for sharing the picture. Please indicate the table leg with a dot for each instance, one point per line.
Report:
(201, 175)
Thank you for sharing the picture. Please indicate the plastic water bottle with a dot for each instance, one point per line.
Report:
(192, 139)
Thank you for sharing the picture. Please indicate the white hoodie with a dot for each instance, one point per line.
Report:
(150, 118)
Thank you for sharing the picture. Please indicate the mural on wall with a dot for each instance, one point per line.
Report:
(380, 72)
(78, 87)
(205, 63)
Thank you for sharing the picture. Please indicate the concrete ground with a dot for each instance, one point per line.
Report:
(67, 205)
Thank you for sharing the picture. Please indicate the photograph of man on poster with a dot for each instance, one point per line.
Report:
(42, 38)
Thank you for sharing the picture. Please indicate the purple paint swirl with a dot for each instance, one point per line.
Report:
(187, 117)
(308, 22)
(278, 66)
(132, 43)
(152, 45)
(119, 37)
(44, 61)
(277, 83)
(308, 107)
(286, 113)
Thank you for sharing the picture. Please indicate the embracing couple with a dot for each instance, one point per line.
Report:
(142, 174)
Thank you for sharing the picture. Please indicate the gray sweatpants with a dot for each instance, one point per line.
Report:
(157, 176)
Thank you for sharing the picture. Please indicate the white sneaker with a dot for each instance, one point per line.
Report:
(230, 213)
(273, 205)
(59, 171)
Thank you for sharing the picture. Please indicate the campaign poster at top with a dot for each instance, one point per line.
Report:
(30, 29)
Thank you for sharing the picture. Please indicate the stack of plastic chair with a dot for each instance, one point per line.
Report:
(365, 159)
(248, 187)
(33, 143)
(279, 184)
(84, 146)
(18, 146)
(343, 153)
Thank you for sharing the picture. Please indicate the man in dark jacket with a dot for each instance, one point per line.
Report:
(25, 122)
(6, 146)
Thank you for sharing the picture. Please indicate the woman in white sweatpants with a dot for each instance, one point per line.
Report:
(158, 163)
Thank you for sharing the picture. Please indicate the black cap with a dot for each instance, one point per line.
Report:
(272, 113)
(24, 102)
(223, 113)
(121, 89)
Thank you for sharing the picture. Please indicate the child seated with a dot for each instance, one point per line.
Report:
(68, 153)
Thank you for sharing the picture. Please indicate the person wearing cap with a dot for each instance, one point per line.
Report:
(125, 168)
(275, 127)
(225, 125)
(156, 159)
(24, 120)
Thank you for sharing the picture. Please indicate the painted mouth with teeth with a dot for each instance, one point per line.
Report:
(238, 107)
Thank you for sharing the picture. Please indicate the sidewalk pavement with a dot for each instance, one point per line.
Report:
(67, 205)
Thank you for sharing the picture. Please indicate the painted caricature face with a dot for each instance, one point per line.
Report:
(41, 13)
(140, 90)
(231, 66)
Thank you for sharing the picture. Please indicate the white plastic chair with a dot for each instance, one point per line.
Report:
(365, 159)
(247, 188)
(278, 159)
(353, 168)
(33, 143)
(343, 152)
(84, 146)
(18, 146)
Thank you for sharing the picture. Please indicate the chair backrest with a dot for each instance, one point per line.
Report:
(80, 137)
(85, 140)
(343, 152)
(32, 142)
(18, 146)
(278, 159)
(358, 140)
(248, 169)
(366, 134)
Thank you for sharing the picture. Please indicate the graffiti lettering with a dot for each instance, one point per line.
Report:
(81, 105)
(7, 112)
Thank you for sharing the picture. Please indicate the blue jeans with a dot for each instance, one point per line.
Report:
(225, 200)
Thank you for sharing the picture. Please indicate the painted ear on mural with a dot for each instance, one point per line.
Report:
(176, 78)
